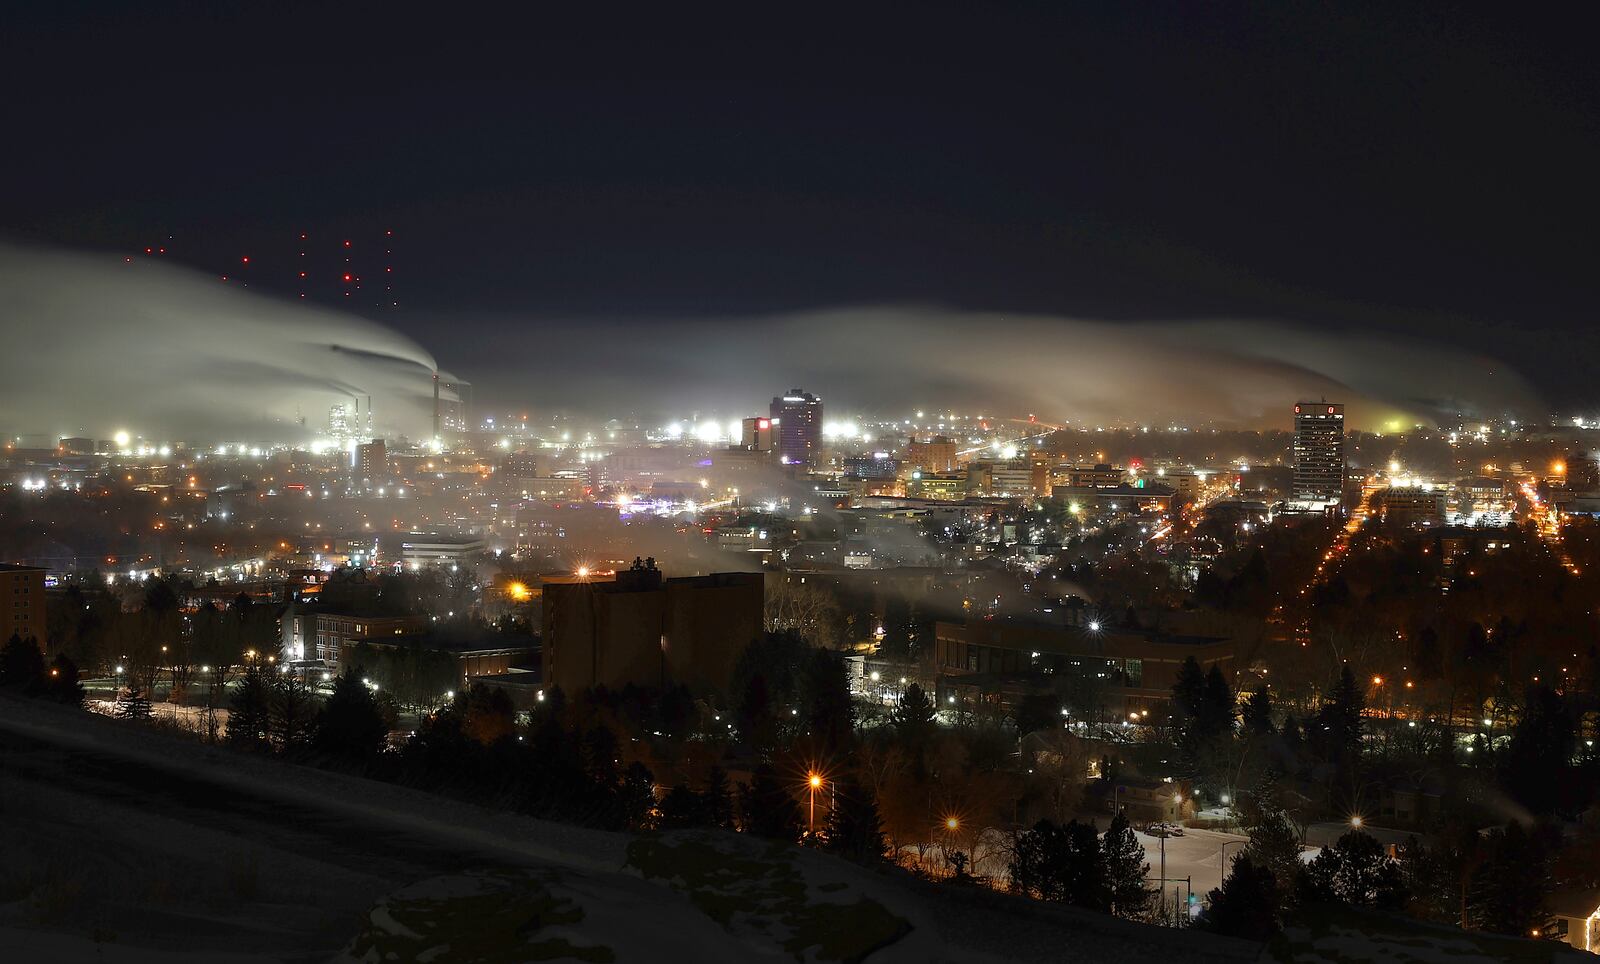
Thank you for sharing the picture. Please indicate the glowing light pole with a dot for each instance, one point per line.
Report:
(815, 782)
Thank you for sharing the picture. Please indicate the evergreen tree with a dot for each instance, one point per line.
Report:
(1246, 905)
(1258, 713)
(350, 725)
(21, 664)
(769, 809)
(855, 828)
(716, 800)
(290, 713)
(1274, 844)
(754, 716)
(680, 808)
(828, 707)
(1432, 877)
(1507, 891)
(1536, 767)
(1126, 868)
(637, 797)
(1217, 709)
(1336, 732)
(1061, 863)
(1189, 691)
(248, 710)
(133, 705)
(1356, 871)
(1037, 711)
(61, 683)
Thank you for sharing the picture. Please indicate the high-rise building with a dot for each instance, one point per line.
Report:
(372, 460)
(756, 434)
(22, 603)
(1318, 452)
(637, 627)
(797, 417)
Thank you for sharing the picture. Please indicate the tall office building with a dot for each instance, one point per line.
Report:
(1318, 452)
(797, 417)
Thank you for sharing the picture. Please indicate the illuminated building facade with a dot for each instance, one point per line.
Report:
(22, 603)
(797, 418)
(372, 460)
(937, 454)
(637, 627)
(1318, 452)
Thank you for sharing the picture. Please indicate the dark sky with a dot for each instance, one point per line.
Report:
(1426, 172)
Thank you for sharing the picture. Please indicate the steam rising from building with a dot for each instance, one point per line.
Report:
(100, 343)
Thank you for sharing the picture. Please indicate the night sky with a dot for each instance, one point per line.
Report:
(1424, 173)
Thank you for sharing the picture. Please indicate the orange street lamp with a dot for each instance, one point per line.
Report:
(815, 782)
(952, 824)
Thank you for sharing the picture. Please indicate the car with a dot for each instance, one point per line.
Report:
(1161, 828)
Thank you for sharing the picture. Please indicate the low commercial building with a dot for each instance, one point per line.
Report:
(421, 549)
(637, 627)
(1127, 498)
(331, 633)
(999, 661)
(1410, 505)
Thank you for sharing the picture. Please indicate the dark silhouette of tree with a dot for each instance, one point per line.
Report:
(1274, 844)
(913, 721)
(1061, 863)
(1217, 709)
(675, 712)
(680, 808)
(21, 664)
(1536, 766)
(1037, 711)
(1188, 691)
(754, 716)
(828, 707)
(1336, 732)
(291, 713)
(1126, 868)
(134, 705)
(716, 800)
(1433, 881)
(769, 808)
(636, 797)
(1356, 871)
(1507, 891)
(1246, 905)
(61, 683)
(350, 725)
(248, 710)
(487, 715)
(855, 828)
(1258, 713)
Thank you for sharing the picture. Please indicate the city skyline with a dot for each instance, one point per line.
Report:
(941, 482)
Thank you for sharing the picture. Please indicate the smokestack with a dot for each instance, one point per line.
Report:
(436, 434)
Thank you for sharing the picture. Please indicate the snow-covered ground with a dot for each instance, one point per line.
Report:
(347, 863)
(1198, 854)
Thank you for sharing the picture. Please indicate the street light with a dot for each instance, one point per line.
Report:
(815, 781)
(952, 824)
(1355, 821)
